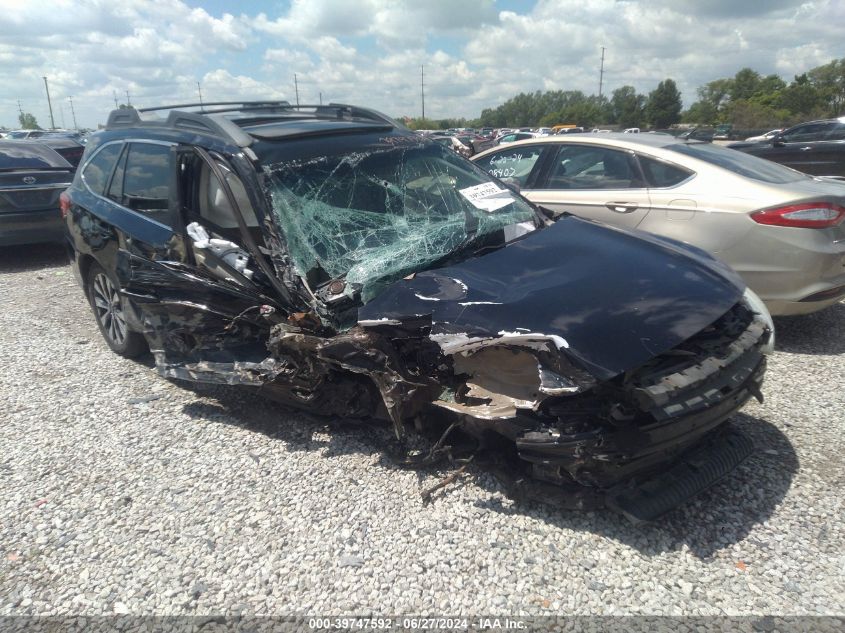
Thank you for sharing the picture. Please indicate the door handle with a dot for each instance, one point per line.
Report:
(806, 149)
(622, 207)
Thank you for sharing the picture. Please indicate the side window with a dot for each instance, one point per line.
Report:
(660, 174)
(146, 182)
(97, 171)
(808, 132)
(592, 167)
(837, 133)
(515, 162)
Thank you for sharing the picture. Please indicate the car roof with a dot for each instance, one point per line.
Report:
(628, 141)
(244, 122)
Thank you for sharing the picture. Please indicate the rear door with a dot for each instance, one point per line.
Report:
(830, 152)
(593, 181)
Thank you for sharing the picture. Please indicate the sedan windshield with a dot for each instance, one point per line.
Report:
(739, 162)
(374, 216)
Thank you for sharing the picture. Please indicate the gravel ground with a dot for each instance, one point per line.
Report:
(121, 492)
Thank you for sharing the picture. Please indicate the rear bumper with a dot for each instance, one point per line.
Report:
(790, 268)
(31, 227)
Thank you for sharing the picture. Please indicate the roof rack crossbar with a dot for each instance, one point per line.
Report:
(266, 102)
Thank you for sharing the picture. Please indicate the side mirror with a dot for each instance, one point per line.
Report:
(511, 183)
(777, 140)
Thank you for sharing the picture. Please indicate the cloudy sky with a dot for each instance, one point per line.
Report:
(476, 53)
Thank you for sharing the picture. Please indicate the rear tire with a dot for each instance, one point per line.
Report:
(108, 308)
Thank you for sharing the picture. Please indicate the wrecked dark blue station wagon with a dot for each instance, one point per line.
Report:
(335, 261)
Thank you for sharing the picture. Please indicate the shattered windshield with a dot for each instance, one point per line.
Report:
(374, 216)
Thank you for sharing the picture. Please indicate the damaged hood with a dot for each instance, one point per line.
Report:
(607, 298)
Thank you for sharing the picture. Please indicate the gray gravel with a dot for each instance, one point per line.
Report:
(121, 492)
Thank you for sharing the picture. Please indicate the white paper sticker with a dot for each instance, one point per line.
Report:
(487, 196)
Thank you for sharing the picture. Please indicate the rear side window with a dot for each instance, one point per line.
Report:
(738, 162)
(660, 174)
(99, 168)
(26, 155)
(837, 133)
(146, 180)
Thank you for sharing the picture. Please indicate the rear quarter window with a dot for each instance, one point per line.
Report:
(99, 168)
(660, 174)
(738, 162)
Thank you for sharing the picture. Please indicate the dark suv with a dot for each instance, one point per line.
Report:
(816, 147)
(341, 263)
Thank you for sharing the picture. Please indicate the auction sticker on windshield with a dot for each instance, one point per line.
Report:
(487, 196)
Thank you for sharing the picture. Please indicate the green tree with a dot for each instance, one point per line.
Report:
(829, 80)
(663, 107)
(626, 107)
(700, 113)
(716, 93)
(28, 121)
(745, 84)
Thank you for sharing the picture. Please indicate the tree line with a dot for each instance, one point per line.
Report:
(747, 100)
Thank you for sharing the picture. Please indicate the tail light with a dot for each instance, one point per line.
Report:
(807, 215)
(64, 204)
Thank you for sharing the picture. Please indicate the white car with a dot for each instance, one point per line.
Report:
(782, 230)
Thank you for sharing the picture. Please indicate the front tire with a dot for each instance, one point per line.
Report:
(107, 304)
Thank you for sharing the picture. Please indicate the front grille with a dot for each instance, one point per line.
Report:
(704, 369)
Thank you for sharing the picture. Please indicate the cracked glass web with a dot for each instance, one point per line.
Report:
(373, 217)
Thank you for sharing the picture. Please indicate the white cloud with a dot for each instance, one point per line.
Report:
(369, 52)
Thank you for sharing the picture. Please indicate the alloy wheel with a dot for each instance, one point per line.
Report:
(109, 310)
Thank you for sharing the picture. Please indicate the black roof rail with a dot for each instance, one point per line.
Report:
(202, 105)
(179, 120)
(209, 121)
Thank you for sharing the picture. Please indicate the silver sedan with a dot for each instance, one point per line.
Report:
(782, 230)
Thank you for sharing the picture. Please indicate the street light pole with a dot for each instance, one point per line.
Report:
(73, 112)
(49, 104)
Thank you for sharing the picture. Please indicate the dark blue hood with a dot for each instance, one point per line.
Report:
(617, 298)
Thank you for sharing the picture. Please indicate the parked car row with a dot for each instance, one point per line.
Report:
(346, 265)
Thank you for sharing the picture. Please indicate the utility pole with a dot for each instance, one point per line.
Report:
(199, 91)
(114, 94)
(128, 100)
(73, 112)
(422, 89)
(601, 72)
(296, 88)
(49, 104)
(321, 98)
(20, 108)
